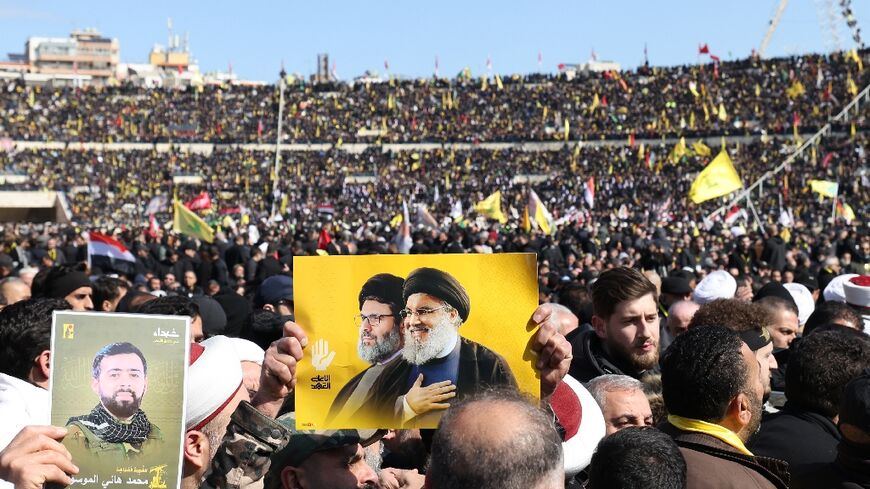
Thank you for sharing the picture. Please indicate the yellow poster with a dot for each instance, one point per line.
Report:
(394, 339)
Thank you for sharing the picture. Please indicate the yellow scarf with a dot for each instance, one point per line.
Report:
(711, 429)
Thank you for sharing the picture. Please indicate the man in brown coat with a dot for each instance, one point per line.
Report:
(712, 388)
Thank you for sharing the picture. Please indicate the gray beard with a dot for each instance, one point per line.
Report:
(441, 335)
(381, 350)
(375, 456)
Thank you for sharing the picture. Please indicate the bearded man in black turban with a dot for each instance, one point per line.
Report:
(437, 364)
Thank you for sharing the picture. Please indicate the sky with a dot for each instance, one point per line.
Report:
(256, 37)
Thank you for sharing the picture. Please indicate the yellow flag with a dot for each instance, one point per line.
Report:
(852, 131)
(484, 82)
(544, 119)
(857, 59)
(186, 222)
(692, 120)
(526, 224)
(596, 102)
(693, 87)
(491, 207)
(396, 220)
(542, 217)
(706, 113)
(723, 116)
(567, 129)
(701, 149)
(845, 211)
(757, 90)
(824, 188)
(498, 82)
(850, 86)
(795, 90)
(717, 179)
(679, 151)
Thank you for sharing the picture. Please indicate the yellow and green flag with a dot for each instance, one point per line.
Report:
(491, 207)
(824, 188)
(717, 179)
(187, 222)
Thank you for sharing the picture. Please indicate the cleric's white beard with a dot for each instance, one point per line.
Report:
(442, 334)
(381, 350)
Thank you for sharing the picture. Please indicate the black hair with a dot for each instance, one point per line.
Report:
(638, 456)
(702, 371)
(25, 332)
(171, 305)
(576, 297)
(43, 279)
(107, 289)
(831, 312)
(820, 366)
(113, 349)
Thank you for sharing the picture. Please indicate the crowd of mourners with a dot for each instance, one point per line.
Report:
(756, 95)
(673, 350)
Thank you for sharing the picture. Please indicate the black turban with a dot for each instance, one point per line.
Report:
(438, 284)
(775, 289)
(386, 287)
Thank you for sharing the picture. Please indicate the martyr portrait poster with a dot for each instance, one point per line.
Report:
(393, 340)
(118, 386)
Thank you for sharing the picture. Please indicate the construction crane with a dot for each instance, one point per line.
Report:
(772, 28)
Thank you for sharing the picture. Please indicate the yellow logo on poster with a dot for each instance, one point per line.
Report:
(157, 481)
(68, 331)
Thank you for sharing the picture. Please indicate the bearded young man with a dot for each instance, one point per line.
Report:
(625, 335)
(116, 429)
(435, 355)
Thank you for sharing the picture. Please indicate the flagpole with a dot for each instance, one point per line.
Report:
(834, 206)
(275, 170)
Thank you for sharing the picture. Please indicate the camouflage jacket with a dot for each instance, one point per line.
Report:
(243, 458)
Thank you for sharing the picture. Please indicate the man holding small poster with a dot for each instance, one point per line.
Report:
(132, 365)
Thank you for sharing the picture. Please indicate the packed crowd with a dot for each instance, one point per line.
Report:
(367, 189)
(751, 96)
(672, 351)
(681, 378)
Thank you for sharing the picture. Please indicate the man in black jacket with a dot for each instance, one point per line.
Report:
(804, 433)
(625, 321)
(851, 469)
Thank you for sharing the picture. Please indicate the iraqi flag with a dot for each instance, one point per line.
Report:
(110, 255)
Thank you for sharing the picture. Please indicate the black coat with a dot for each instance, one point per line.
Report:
(774, 253)
(799, 437)
(479, 368)
(851, 470)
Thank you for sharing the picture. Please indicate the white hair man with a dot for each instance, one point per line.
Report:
(622, 401)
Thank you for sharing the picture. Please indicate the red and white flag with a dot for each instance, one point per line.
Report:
(589, 192)
(734, 214)
(110, 254)
(201, 201)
